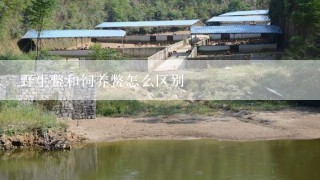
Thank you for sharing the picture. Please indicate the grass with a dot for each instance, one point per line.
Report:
(9, 45)
(167, 108)
(18, 118)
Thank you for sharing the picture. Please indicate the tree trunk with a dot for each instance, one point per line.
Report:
(37, 44)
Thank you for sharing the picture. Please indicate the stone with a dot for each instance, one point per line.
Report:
(2, 142)
(8, 146)
(242, 114)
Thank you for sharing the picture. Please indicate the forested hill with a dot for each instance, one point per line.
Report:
(300, 21)
(70, 14)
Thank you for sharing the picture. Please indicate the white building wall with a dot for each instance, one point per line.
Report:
(162, 38)
(180, 37)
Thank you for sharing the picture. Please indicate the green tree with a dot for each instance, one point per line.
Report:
(40, 12)
(11, 17)
(300, 20)
(237, 5)
(2, 8)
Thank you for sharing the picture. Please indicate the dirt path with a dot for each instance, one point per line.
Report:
(288, 124)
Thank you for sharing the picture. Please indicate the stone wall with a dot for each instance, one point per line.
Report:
(72, 102)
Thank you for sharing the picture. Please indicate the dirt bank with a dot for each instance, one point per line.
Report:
(47, 141)
(287, 124)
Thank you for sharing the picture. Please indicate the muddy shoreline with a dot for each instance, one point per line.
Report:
(226, 126)
(240, 126)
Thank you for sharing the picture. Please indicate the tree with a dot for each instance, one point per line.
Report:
(40, 12)
(237, 5)
(2, 8)
(300, 21)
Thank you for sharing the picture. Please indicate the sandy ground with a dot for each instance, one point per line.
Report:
(287, 124)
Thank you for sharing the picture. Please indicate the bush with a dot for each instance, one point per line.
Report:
(119, 108)
(18, 118)
(100, 53)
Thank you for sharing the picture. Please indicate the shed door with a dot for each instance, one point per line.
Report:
(153, 38)
(225, 36)
(234, 48)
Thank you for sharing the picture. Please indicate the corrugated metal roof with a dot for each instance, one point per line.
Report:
(246, 13)
(240, 19)
(49, 34)
(238, 29)
(148, 24)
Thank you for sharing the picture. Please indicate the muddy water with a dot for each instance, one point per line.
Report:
(197, 159)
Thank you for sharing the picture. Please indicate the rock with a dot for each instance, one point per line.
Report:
(225, 107)
(17, 141)
(8, 146)
(265, 122)
(22, 139)
(2, 142)
(242, 114)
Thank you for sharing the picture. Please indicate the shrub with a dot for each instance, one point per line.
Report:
(20, 118)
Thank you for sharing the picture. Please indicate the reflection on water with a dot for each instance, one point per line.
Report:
(201, 159)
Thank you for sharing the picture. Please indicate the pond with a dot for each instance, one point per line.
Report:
(194, 159)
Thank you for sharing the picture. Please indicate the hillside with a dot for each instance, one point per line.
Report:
(79, 14)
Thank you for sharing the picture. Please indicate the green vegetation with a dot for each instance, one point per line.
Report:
(39, 15)
(300, 20)
(167, 108)
(43, 55)
(238, 5)
(16, 17)
(18, 118)
(100, 53)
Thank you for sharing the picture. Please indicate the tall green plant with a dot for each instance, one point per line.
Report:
(40, 12)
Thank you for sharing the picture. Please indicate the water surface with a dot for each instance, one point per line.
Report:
(197, 159)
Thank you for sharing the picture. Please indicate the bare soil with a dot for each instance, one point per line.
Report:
(240, 126)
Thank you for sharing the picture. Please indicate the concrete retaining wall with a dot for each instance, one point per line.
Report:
(257, 48)
(213, 48)
(194, 53)
(141, 52)
(158, 58)
(131, 52)
(71, 53)
(251, 56)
